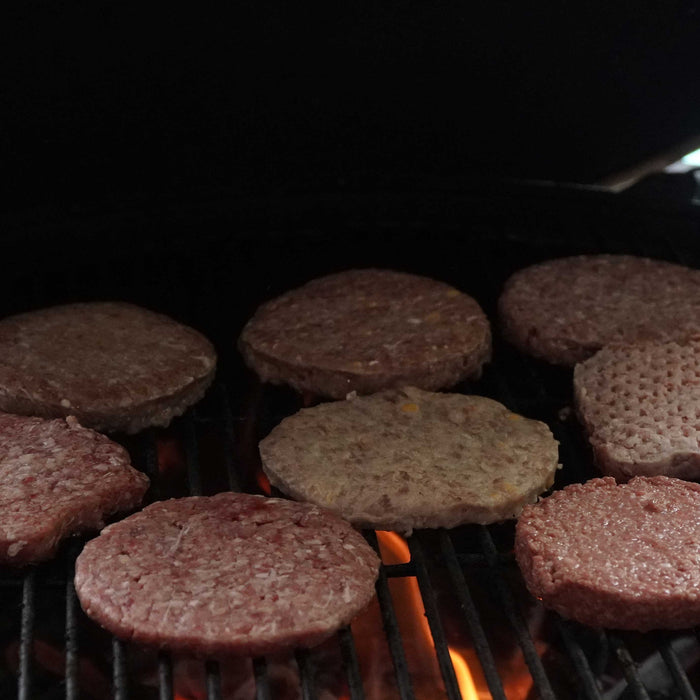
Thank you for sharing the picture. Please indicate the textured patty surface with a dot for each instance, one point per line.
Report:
(564, 310)
(622, 556)
(366, 330)
(56, 479)
(405, 459)
(640, 406)
(114, 366)
(227, 574)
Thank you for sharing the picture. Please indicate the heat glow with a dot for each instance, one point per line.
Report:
(395, 550)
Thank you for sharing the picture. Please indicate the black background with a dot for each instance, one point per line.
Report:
(106, 104)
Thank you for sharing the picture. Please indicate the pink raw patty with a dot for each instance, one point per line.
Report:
(565, 310)
(227, 574)
(56, 479)
(641, 408)
(622, 556)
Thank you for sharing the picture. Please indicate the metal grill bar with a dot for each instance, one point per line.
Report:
(24, 688)
(629, 668)
(532, 659)
(391, 629)
(119, 673)
(262, 682)
(433, 615)
(588, 682)
(72, 688)
(307, 674)
(352, 667)
(679, 676)
(399, 570)
(165, 677)
(600, 662)
(213, 674)
(481, 646)
(467, 559)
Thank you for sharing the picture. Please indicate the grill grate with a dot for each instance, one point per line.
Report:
(464, 557)
(459, 565)
(489, 555)
(468, 580)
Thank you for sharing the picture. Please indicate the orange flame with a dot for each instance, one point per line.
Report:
(395, 551)
(264, 483)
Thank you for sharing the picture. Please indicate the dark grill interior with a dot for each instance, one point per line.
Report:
(210, 268)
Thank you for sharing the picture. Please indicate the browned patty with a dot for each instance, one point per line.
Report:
(620, 556)
(114, 366)
(640, 405)
(57, 479)
(366, 330)
(405, 459)
(227, 574)
(565, 310)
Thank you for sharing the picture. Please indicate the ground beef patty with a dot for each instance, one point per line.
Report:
(405, 459)
(227, 574)
(640, 405)
(56, 479)
(565, 310)
(366, 330)
(622, 556)
(114, 366)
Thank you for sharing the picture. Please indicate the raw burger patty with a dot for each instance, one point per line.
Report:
(565, 310)
(56, 479)
(405, 459)
(366, 330)
(227, 574)
(640, 406)
(114, 366)
(622, 556)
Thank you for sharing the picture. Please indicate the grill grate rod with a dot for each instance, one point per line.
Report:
(351, 663)
(119, 674)
(391, 629)
(532, 659)
(679, 676)
(165, 676)
(433, 616)
(262, 682)
(213, 674)
(306, 675)
(580, 661)
(481, 645)
(629, 668)
(72, 685)
(24, 687)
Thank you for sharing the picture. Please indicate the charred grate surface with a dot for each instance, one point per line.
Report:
(470, 590)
